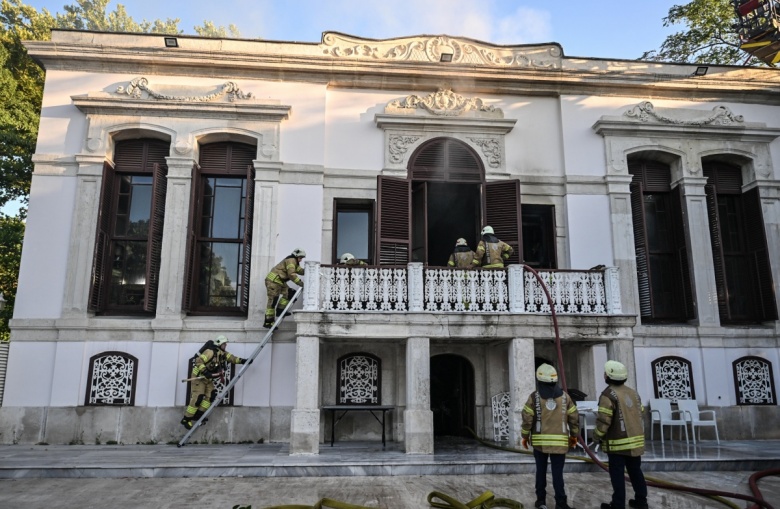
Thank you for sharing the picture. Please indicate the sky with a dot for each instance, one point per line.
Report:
(586, 28)
(620, 29)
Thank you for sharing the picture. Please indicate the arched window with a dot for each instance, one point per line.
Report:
(112, 377)
(359, 379)
(753, 381)
(673, 378)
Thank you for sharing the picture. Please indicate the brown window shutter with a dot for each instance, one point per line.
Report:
(248, 218)
(717, 253)
(191, 251)
(154, 248)
(100, 261)
(393, 221)
(759, 254)
(640, 246)
(681, 246)
(502, 212)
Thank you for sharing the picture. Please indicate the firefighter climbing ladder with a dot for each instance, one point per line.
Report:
(241, 372)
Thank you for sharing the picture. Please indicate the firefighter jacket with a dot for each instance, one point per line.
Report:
(550, 417)
(286, 270)
(494, 252)
(462, 258)
(212, 362)
(620, 423)
(355, 261)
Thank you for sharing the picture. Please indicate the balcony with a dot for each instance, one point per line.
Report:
(415, 288)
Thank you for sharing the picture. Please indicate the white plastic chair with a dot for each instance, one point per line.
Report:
(661, 413)
(588, 411)
(692, 415)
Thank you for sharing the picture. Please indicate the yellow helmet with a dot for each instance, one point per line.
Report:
(615, 370)
(546, 373)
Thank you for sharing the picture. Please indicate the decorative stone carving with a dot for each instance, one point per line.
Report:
(491, 149)
(430, 49)
(182, 147)
(721, 115)
(443, 102)
(398, 145)
(94, 144)
(136, 86)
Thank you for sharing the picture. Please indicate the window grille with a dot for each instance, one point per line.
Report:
(360, 379)
(112, 377)
(673, 379)
(754, 382)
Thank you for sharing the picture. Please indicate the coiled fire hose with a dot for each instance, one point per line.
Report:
(488, 501)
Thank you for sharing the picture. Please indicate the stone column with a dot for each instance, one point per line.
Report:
(521, 383)
(623, 351)
(700, 261)
(174, 248)
(263, 237)
(623, 249)
(305, 422)
(418, 417)
(82, 239)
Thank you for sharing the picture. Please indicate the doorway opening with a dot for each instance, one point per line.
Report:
(443, 212)
(452, 395)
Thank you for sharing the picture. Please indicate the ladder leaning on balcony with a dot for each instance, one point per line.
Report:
(241, 372)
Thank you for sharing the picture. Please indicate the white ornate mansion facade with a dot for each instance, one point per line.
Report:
(171, 173)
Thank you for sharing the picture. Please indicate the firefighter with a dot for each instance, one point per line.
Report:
(547, 415)
(210, 363)
(620, 429)
(462, 257)
(349, 259)
(494, 251)
(288, 269)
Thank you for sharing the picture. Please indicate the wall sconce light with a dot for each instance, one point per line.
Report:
(701, 71)
(171, 42)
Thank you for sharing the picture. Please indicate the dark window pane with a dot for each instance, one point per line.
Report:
(219, 274)
(353, 234)
(128, 274)
(227, 210)
(140, 206)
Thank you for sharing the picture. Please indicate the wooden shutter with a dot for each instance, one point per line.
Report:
(100, 261)
(718, 259)
(247, 255)
(759, 255)
(154, 246)
(393, 221)
(681, 250)
(502, 212)
(191, 251)
(641, 250)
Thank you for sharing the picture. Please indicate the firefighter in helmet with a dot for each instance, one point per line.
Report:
(462, 257)
(491, 252)
(276, 287)
(210, 363)
(349, 259)
(547, 415)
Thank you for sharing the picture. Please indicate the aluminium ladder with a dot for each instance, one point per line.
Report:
(244, 367)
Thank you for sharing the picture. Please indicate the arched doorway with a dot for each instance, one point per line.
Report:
(452, 395)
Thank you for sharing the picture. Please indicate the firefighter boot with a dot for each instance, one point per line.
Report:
(540, 504)
(561, 504)
(197, 416)
(186, 422)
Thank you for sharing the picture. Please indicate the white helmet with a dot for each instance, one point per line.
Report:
(487, 229)
(616, 370)
(299, 253)
(461, 242)
(346, 257)
(221, 340)
(546, 373)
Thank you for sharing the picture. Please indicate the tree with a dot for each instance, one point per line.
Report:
(709, 37)
(11, 235)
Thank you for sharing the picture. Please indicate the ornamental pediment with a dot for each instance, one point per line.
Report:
(445, 103)
(140, 88)
(442, 48)
(720, 115)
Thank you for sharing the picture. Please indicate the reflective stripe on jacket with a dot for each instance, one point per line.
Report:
(212, 361)
(286, 270)
(549, 429)
(620, 423)
(462, 259)
(494, 254)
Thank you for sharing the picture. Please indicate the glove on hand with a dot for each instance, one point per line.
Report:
(248, 361)
(572, 442)
(524, 442)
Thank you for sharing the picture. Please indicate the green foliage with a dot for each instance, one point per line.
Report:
(708, 38)
(208, 29)
(11, 236)
(92, 15)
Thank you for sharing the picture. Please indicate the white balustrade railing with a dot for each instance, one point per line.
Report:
(416, 288)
